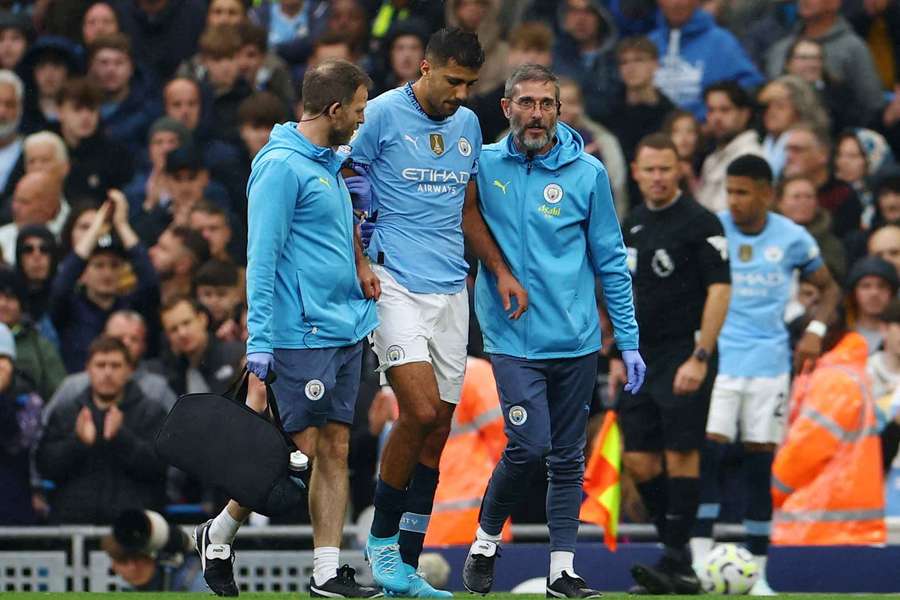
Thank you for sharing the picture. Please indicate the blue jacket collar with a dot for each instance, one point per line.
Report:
(286, 135)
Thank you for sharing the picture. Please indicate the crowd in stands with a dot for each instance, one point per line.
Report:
(128, 127)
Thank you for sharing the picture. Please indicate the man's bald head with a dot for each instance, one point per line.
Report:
(182, 101)
(36, 199)
(885, 243)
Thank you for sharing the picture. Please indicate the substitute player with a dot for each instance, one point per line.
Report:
(309, 307)
(750, 395)
(679, 260)
(419, 149)
(549, 206)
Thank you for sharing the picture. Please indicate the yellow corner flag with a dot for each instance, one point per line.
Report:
(601, 481)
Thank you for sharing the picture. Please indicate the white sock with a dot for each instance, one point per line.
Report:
(482, 535)
(700, 548)
(761, 564)
(325, 564)
(223, 528)
(561, 561)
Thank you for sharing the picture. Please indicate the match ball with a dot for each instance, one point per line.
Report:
(729, 569)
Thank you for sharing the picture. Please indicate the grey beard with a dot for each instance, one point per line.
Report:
(535, 144)
(7, 129)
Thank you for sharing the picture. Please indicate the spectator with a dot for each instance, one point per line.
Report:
(728, 113)
(888, 200)
(230, 13)
(872, 283)
(787, 101)
(37, 358)
(197, 361)
(405, 51)
(695, 54)
(97, 163)
(293, 25)
(684, 130)
(879, 24)
(37, 254)
(45, 152)
(99, 20)
(265, 71)
(218, 289)
(529, 43)
(219, 48)
(796, 199)
(806, 60)
(481, 18)
(47, 65)
(350, 19)
(860, 156)
(598, 140)
(808, 155)
(641, 108)
(183, 101)
(12, 166)
(145, 571)
(883, 367)
(37, 201)
(20, 429)
(213, 224)
(845, 54)
(77, 224)
(15, 29)
(130, 328)
(176, 256)
(885, 244)
(331, 45)
(80, 312)
(148, 188)
(98, 447)
(387, 13)
(130, 101)
(257, 115)
(585, 51)
(164, 32)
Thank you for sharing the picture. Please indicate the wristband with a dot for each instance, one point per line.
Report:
(817, 328)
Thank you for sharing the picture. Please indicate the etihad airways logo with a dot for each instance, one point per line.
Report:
(436, 180)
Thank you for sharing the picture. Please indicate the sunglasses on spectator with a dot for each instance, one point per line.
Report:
(32, 248)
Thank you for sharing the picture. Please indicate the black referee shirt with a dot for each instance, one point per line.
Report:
(674, 254)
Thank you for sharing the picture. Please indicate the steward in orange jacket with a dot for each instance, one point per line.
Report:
(827, 483)
(473, 449)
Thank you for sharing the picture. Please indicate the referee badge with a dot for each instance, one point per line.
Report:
(553, 193)
(518, 415)
(436, 141)
(745, 252)
(315, 389)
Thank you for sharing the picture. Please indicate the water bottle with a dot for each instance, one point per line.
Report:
(298, 465)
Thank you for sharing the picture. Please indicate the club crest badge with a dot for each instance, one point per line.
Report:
(315, 389)
(553, 193)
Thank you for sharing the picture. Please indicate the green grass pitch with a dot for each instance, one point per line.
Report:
(275, 596)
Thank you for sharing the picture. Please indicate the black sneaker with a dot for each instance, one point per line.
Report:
(668, 576)
(567, 586)
(342, 585)
(217, 561)
(478, 572)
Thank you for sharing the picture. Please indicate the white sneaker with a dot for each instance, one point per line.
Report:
(762, 588)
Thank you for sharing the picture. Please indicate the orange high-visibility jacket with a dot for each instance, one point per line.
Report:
(473, 449)
(827, 481)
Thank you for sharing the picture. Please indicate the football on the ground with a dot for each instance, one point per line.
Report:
(728, 569)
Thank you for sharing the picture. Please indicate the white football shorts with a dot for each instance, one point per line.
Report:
(754, 409)
(431, 328)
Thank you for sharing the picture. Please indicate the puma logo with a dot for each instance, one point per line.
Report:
(325, 182)
(411, 140)
(500, 185)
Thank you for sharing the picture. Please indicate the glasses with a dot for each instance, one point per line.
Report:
(546, 104)
(35, 248)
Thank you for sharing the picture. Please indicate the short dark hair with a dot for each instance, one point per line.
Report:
(752, 166)
(656, 141)
(220, 42)
(177, 299)
(538, 73)
(329, 82)
(82, 92)
(105, 343)
(210, 208)
(453, 43)
(736, 94)
(531, 35)
(194, 242)
(219, 273)
(262, 109)
(252, 34)
(637, 43)
(889, 185)
(184, 157)
(111, 41)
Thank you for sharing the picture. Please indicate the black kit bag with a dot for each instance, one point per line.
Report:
(224, 443)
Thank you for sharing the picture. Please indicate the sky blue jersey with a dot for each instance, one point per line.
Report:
(419, 168)
(754, 339)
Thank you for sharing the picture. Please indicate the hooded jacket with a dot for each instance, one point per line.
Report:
(302, 286)
(554, 220)
(697, 55)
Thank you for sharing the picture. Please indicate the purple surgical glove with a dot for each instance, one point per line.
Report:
(259, 363)
(360, 192)
(635, 370)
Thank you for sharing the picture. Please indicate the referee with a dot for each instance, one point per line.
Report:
(678, 256)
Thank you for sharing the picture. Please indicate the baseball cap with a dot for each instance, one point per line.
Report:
(109, 244)
(873, 265)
